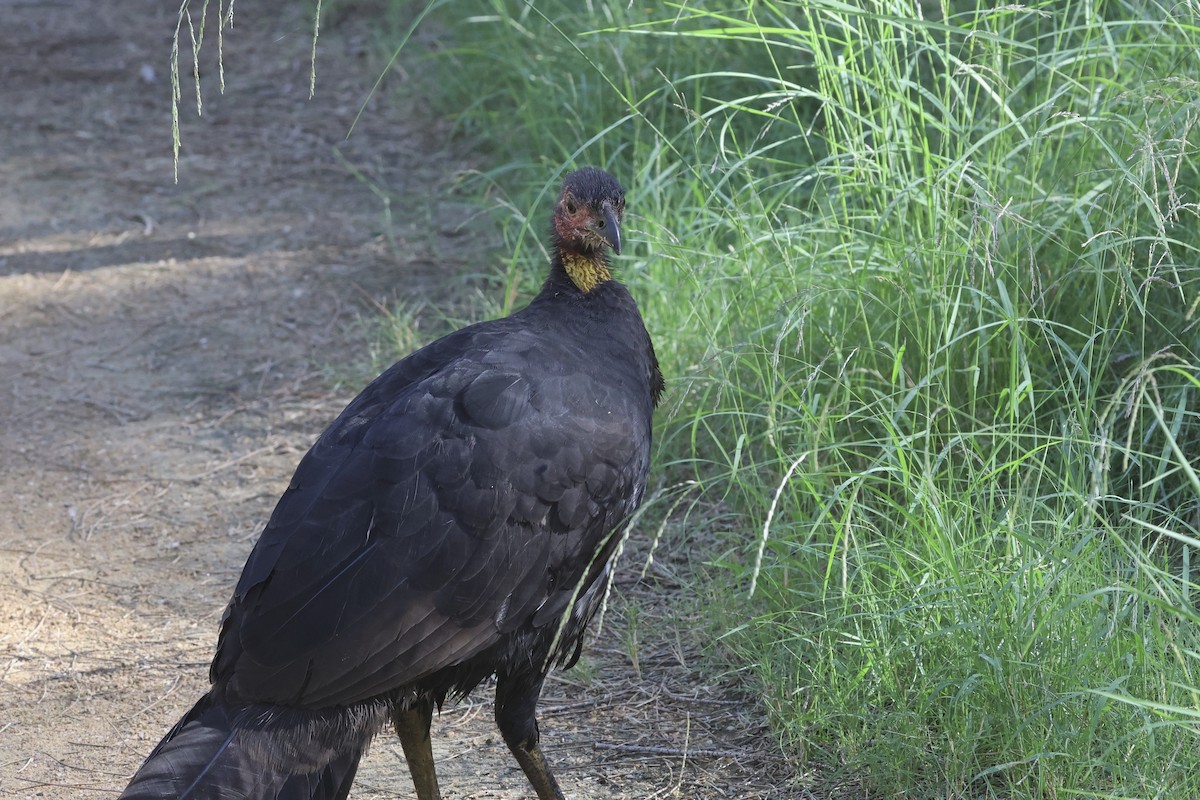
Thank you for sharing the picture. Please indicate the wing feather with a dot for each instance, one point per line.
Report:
(447, 504)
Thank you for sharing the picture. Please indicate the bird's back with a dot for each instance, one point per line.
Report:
(443, 525)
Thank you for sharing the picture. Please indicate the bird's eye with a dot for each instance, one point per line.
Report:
(571, 209)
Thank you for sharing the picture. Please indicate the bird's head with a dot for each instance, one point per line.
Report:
(587, 219)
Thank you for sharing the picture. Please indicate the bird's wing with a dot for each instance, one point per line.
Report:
(449, 502)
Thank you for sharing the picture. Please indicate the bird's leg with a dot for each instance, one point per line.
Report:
(516, 709)
(412, 726)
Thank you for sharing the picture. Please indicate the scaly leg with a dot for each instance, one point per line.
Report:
(412, 726)
(516, 716)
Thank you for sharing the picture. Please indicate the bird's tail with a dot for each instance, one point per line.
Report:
(219, 752)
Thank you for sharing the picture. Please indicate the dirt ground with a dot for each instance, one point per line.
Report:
(167, 353)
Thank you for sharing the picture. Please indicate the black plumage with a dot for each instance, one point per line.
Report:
(457, 520)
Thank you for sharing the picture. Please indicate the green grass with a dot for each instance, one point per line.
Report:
(925, 290)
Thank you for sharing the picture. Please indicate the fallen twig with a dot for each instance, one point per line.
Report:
(659, 750)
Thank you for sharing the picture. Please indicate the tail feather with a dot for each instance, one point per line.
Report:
(219, 752)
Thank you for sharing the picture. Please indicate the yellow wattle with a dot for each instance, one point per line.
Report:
(586, 272)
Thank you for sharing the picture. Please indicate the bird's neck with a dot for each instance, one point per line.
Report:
(586, 270)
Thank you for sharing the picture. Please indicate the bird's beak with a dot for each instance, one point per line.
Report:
(610, 230)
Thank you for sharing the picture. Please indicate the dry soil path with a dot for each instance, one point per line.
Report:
(167, 353)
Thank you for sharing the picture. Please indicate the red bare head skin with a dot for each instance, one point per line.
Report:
(588, 214)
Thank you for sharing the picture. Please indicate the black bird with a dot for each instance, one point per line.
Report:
(457, 520)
